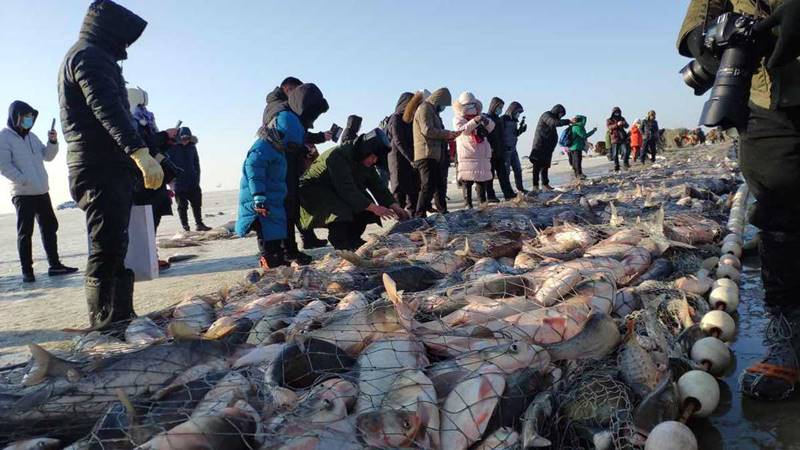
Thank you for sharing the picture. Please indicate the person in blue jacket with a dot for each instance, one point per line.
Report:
(263, 190)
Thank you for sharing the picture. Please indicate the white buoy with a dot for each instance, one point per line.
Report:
(726, 271)
(719, 322)
(671, 435)
(700, 387)
(733, 237)
(734, 248)
(727, 296)
(726, 282)
(730, 260)
(713, 353)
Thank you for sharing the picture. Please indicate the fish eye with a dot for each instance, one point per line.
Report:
(406, 424)
(514, 348)
(327, 404)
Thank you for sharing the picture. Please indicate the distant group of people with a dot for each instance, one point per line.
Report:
(641, 141)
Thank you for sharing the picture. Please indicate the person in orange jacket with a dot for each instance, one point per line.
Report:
(636, 140)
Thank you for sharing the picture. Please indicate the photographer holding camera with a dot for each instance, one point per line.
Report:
(748, 50)
(473, 147)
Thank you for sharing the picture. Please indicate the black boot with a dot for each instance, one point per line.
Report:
(60, 269)
(311, 241)
(100, 299)
(202, 227)
(467, 191)
(123, 297)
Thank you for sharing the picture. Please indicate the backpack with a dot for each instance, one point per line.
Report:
(566, 138)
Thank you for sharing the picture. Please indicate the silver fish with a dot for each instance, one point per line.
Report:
(537, 413)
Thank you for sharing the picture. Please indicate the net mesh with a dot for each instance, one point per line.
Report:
(491, 328)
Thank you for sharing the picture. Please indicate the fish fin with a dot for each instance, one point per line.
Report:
(130, 410)
(45, 365)
(559, 324)
(464, 252)
(404, 312)
(539, 441)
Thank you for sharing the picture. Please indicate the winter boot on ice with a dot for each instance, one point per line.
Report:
(123, 297)
(100, 302)
(775, 377)
(202, 227)
(467, 191)
(311, 241)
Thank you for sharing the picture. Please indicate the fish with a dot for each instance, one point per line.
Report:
(232, 388)
(231, 430)
(637, 368)
(660, 269)
(492, 245)
(660, 405)
(466, 411)
(301, 363)
(482, 267)
(614, 250)
(481, 310)
(380, 363)
(636, 262)
(35, 444)
(538, 412)
(446, 262)
(626, 301)
(525, 260)
(274, 318)
(262, 355)
(352, 301)
(555, 287)
(503, 438)
(396, 429)
(598, 338)
(312, 311)
(194, 313)
(143, 331)
(522, 387)
(326, 403)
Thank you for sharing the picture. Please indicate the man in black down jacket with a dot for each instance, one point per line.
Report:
(544, 143)
(187, 183)
(497, 141)
(404, 181)
(277, 101)
(103, 147)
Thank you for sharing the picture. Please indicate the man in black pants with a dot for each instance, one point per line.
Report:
(430, 149)
(499, 152)
(187, 182)
(22, 157)
(544, 143)
(769, 155)
(277, 101)
(104, 154)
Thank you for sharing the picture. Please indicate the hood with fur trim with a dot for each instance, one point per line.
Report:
(411, 107)
(440, 97)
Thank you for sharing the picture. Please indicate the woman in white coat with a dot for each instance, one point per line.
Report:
(472, 147)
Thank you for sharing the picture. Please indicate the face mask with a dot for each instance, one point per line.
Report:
(27, 123)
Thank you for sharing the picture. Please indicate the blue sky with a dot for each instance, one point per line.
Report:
(211, 63)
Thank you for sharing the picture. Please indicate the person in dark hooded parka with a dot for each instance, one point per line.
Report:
(404, 181)
(499, 151)
(22, 157)
(278, 100)
(104, 151)
(338, 189)
(544, 143)
(308, 103)
(512, 129)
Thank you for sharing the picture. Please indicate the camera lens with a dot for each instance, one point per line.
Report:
(697, 78)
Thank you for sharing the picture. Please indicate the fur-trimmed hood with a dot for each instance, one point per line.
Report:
(411, 107)
(458, 108)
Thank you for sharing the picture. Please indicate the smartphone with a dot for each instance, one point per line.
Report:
(336, 132)
(53, 125)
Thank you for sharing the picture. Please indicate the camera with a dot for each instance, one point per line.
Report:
(733, 40)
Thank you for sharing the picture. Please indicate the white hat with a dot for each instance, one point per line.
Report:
(466, 98)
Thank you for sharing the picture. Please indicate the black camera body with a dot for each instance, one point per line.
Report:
(733, 40)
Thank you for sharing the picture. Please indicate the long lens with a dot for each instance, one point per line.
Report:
(727, 105)
(697, 78)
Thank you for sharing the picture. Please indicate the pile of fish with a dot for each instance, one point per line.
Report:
(550, 322)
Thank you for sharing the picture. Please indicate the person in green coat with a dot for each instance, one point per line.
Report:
(337, 191)
(579, 137)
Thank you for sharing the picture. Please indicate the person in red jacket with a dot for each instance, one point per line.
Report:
(636, 140)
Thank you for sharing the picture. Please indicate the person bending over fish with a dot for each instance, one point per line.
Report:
(337, 191)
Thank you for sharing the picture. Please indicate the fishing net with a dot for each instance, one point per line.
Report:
(487, 328)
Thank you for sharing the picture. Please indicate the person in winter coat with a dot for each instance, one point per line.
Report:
(22, 157)
(512, 129)
(636, 140)
(278, 100)
(403, 179)
(104, 153)
(263, 187)
(616, 125)
(338, 188)
(544, 143)
(308, 103)
(650, 136)
(430, 146)
(499, 152)
(579, 137)
(186, 185)
(472, 146)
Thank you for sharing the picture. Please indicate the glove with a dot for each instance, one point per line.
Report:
(260, 205)
(787, 18)
(151, 170)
